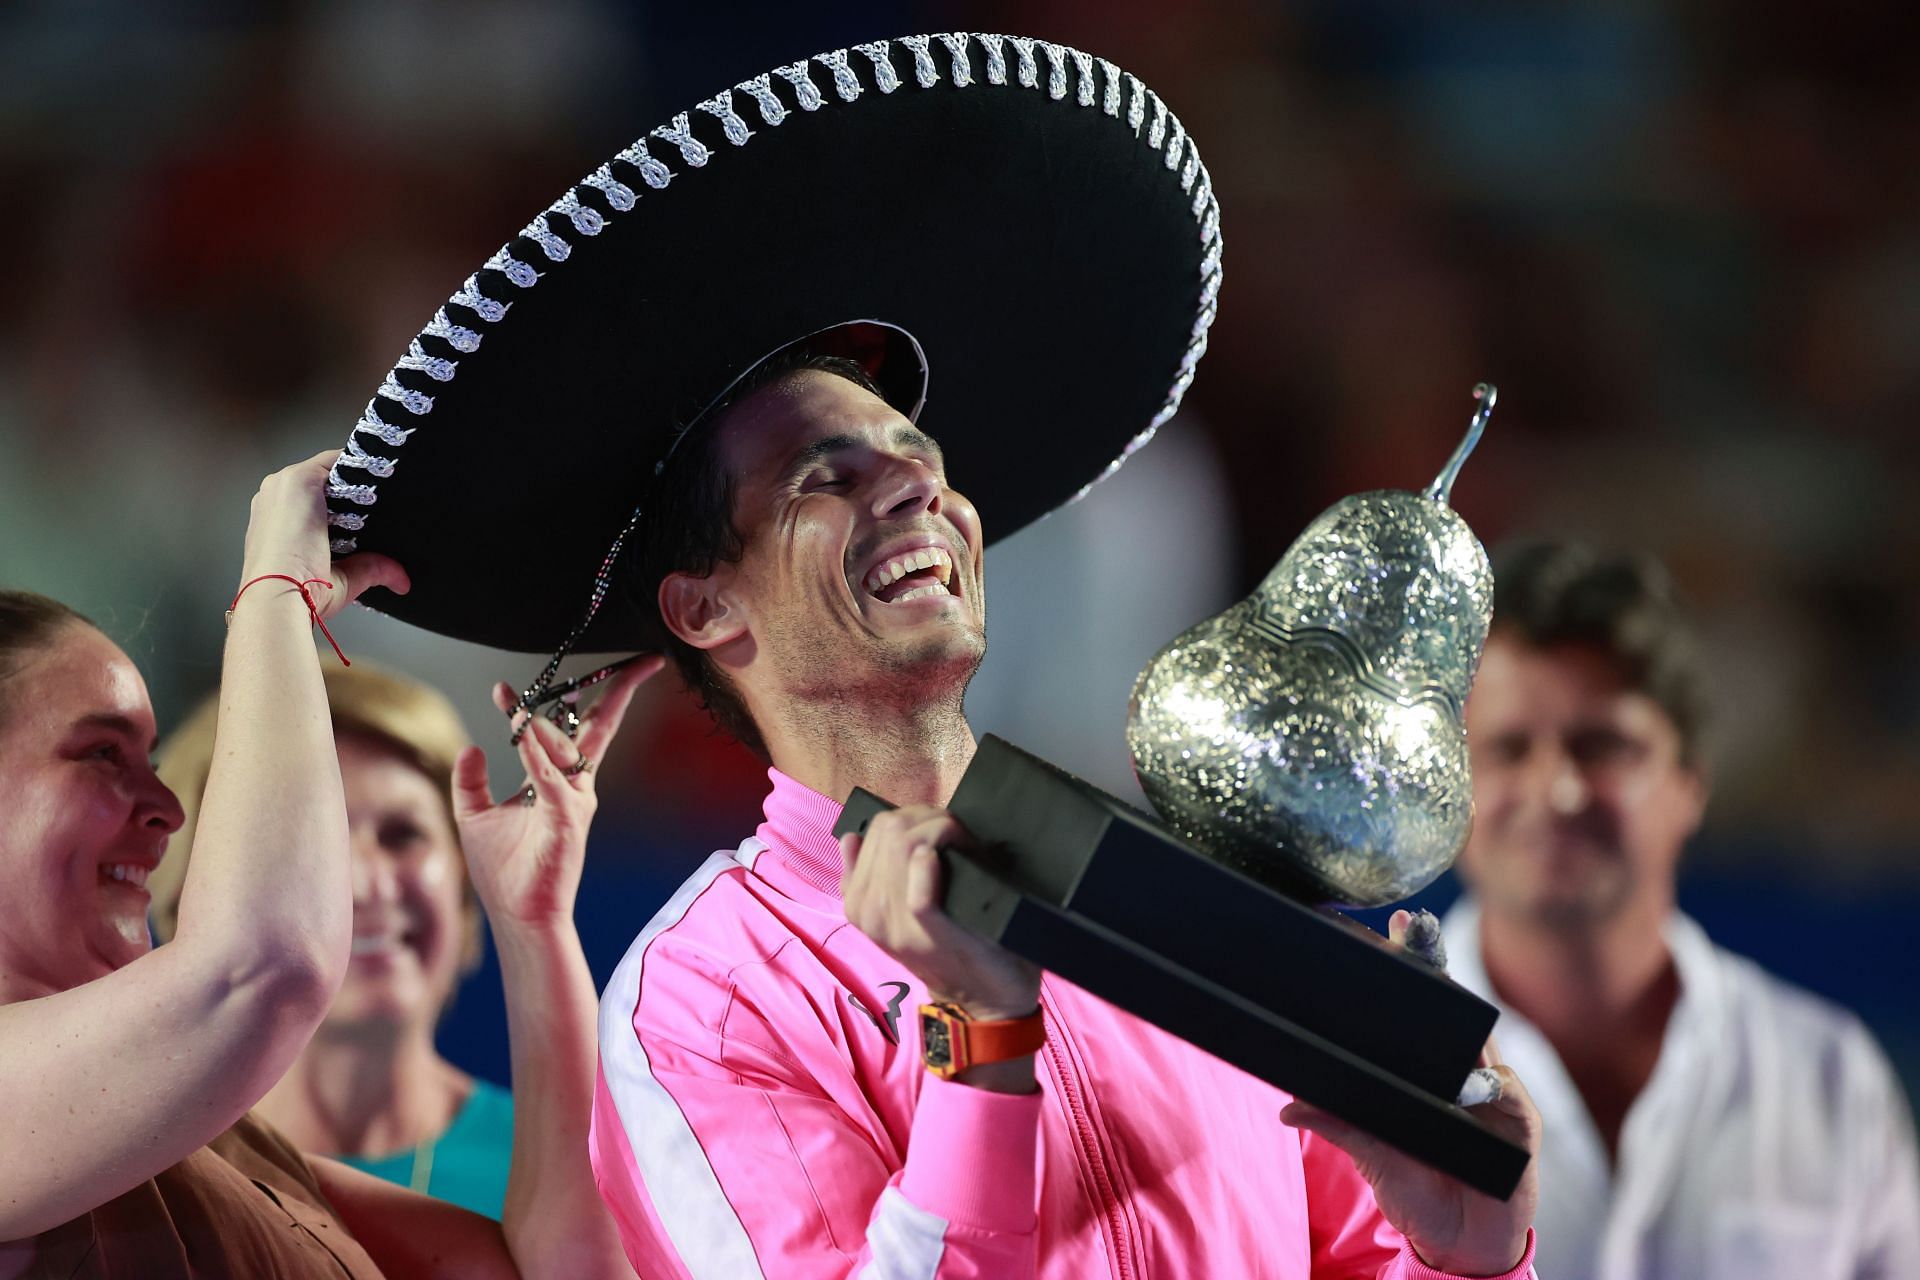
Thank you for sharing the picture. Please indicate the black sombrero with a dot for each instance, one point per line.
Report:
(1035, 217)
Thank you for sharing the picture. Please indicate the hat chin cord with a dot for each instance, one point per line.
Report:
(565, 697)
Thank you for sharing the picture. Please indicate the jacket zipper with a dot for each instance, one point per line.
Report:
(1119, 1248)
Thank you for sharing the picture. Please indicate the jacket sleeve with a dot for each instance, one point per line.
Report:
(721, 1156)
(1349, 1236)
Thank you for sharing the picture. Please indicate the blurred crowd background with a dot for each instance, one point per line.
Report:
(1683, 238)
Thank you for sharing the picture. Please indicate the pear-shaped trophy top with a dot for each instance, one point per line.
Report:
(1311, 735)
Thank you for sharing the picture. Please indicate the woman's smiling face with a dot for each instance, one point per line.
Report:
(86, 817)
(410, 913)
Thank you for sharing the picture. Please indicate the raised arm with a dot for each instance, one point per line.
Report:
(114, 1080)
(526, 860)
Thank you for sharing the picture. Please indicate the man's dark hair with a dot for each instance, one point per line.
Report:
(689, 527)
(1625, 606)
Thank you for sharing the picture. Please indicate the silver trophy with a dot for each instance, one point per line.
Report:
(1305, 745)
(1311, 735)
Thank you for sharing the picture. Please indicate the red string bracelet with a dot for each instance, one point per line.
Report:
(313, 610)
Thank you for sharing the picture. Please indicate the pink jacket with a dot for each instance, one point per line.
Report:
(761, 1111)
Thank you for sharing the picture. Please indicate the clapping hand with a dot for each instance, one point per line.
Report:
(526, 859)
(1452, 1227)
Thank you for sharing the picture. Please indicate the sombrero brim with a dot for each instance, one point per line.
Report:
(1035, 217)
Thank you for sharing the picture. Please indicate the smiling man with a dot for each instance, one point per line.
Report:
(764, 1108)
(1702, 1118)
(722, 339)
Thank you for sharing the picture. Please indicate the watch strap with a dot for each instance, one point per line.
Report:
(951, 1041)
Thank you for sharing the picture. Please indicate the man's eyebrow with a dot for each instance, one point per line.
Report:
(915, 438)
(819, 449)
(903, 438)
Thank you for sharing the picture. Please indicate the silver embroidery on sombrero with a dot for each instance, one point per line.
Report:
(720, 107)
(618, 193)
(433, 366)
(1056, 70)
(459, 337)
(680, 134)
(512, 268)
(1110, 89)
(1111, 103)
(652, 172)
(760, 89)
(804, 89)
(996, 57)
(415, 402)
(925, 74)
(586, 219)
(489, 309)
(374, 425)
(845, 82)
(884, 77)
(1203, 190)
(1029, 75)
(354, 456)
(956, 43)
(556, 249)
(1084, 62)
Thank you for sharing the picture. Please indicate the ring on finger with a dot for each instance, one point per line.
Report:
(580, 766)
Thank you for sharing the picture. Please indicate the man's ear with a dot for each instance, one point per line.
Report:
(700, 609)
(1699, 794)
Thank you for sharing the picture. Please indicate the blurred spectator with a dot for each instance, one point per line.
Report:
(370, 1089)
(1702, 1117)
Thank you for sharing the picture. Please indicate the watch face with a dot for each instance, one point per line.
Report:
(936, 1044)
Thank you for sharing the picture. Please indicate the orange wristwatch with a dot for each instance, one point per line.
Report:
(950, 1041)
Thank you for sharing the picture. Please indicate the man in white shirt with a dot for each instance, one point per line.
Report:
(1703, 1120)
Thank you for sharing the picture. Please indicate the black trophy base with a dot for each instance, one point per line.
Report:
(1097, 892)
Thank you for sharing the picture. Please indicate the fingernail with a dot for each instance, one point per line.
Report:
(1423, 939)
(1482, 1086)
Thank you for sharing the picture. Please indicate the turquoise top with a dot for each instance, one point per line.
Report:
(466, 1165)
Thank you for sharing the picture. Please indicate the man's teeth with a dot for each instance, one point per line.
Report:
(127, 872)
(917, 592)
(374, 944)
(880, 576)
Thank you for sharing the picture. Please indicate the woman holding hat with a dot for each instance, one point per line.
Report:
(127, 1148)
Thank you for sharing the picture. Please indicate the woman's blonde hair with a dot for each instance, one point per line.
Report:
(413, 719)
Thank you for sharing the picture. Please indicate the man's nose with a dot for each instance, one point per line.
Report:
(906, 486)
(1567, 788)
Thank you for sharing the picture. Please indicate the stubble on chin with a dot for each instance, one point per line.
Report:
(1595, 896)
